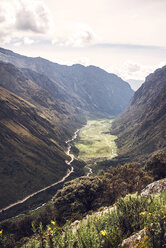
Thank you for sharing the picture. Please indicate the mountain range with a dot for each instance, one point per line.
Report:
(42, 104)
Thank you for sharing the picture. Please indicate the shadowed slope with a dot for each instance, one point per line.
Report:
(141, 129)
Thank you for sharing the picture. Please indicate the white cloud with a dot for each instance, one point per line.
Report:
(32, 16)
(20, 18)
(28, 41)
(132, 70)
(76, 35)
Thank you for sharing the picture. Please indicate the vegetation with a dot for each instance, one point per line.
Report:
(85, 194)
(95, 141)
(157, 165)
(130, 214)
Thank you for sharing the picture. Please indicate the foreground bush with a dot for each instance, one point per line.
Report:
(157, 165)
(130, 215)
(85, 194)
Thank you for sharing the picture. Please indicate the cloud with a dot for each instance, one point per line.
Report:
(77, 35)
(132, 70)
(28, 41)
(127, 46)
(23, 18)
(32, 16)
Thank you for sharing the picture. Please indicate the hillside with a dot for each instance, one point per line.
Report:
(30, 156)
(88, 88)
(141, 128)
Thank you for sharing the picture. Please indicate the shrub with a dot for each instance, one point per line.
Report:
(157, 165)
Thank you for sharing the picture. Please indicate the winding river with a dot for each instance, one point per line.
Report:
(69, 171)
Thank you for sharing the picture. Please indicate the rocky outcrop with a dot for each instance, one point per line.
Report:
(134, 240)
(154, 188)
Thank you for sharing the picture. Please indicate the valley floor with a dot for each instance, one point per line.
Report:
(95, 141)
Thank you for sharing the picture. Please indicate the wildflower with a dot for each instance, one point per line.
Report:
(53, 222)
(103, 233)
(1, 231)
(143, 213)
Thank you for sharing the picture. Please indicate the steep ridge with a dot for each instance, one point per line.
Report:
(30, 156)
(89, 88)
(141, 128)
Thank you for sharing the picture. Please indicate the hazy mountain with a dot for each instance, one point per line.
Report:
(141, 128)
(89, 88)
(135, 84)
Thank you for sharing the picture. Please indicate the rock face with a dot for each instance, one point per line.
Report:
(154, 188)
(141, 128)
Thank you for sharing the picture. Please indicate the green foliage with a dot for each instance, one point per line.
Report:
(77, 197)
(129, 209)
(156, 229)
(157, 165)
(15, 230)
(108, 229)
(84, 194)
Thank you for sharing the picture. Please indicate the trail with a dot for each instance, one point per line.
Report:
(69, 171)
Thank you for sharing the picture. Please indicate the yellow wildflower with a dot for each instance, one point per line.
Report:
(143, 213)
(103, 233)
(53, 222)
(1, 231)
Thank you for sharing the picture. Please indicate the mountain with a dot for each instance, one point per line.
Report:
(30, 156)
(89, 88)
(42, 104)
(34, 124)
(141, 128)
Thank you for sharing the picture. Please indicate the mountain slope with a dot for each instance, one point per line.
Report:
(30, 157)
(141, 128)
(89, 88)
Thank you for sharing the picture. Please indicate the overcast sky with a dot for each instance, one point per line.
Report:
(126, 37)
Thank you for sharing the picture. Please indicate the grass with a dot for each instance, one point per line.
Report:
(95, 141)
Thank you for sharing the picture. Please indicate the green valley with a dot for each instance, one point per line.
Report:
(95, 142)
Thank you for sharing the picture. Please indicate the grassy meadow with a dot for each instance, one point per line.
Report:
(95, 140)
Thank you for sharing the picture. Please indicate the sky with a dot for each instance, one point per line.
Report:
(125, 37)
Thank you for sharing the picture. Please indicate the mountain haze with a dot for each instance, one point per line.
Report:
(90, 88)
